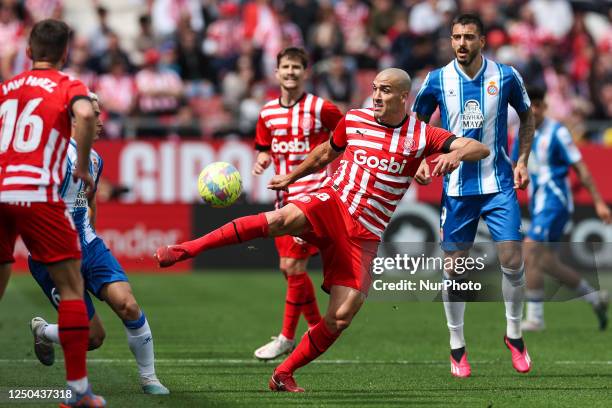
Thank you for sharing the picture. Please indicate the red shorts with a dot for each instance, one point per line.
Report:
(46, 229)
(294, 247)
(346, 256)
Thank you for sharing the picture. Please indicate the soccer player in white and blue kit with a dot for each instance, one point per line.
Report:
(473, 94)
(550, 206)
(103, 277)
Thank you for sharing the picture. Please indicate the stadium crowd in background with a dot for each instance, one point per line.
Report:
(205, 67)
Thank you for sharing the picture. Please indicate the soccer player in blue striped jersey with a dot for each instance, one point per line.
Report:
(473, 94)
(552, 155)
(102, 275)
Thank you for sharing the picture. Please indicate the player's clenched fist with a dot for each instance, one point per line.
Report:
(261, 163)
(280, 182)
(521, 176)
(446, 163)
(422, 175)
(87, 179)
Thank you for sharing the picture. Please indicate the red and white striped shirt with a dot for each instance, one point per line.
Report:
(290, 133)
(35, 133)
(378, 164)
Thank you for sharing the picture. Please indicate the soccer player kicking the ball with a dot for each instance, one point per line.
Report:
(381, 150)
(473, 94)
(550, 207)
(103, 277)
(288, 129)
(35, 110)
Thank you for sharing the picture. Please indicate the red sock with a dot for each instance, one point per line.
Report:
(313, 344)
(293, 304)
(74, 337)
(239, 230)
(310, 308)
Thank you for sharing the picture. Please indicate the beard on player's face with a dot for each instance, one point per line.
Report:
(466, 57)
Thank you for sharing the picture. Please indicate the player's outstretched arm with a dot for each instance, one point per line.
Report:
(525, 138)
(601, 208)
(461, 149)
(84, 132)
(317, 159)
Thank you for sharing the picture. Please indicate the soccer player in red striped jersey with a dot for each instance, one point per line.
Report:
(289, 128)
(35, 123)
(381, 151)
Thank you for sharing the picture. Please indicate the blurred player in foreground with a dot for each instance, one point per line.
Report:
(103, 277)
(551, 206)
(381, 150)
(288, 129)
(35, 111)
(473, 94)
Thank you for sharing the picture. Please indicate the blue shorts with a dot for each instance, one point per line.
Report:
(460, 215)
(98, 267)
(548, 225)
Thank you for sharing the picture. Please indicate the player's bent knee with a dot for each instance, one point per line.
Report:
(128, 309)
(96, 340)
(338, 321)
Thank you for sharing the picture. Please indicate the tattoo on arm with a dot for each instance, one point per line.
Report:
(526, 130)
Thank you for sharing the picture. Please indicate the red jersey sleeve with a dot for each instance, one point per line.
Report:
(330, 115)
(75, 90)
(437, 140)
(263, 137)
(338, 138)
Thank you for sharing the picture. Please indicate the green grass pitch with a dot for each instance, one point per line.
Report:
(206, 326)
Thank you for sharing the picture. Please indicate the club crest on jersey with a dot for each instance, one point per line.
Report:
(306, 123)
(305, 199)
(492, 89)
(472, 117)
(408, 143)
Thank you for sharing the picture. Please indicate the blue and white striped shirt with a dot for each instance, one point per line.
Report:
(73, 195)
(476, 108)
(552, 153)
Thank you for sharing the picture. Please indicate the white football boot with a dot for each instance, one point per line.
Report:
(277, 347)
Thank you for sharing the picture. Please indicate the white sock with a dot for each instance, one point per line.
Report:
(51, 333)
(513, 289)
(535, 311)
(79, 386)
(140, 341)
(454, 319)
(587, 292)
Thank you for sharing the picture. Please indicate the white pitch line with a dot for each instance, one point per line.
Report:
(229, 361)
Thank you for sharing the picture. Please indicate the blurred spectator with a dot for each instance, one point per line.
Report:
(291, 35)
(192, 62)
(325, 37)
(223, 39)
(11, 30)
(236, 84)
(352, 16)
(303, 13)
(41, 9)
(381, 19)
(425, 17)
(166, 14)
(335, 82)
(117, 93)
(145, 39)
(553, 16)
(159, 91)
(77, 65)
(101, 63)
(99, 37)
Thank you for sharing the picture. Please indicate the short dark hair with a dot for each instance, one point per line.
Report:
(48, 40)
(468, 18)
(293, 53)
(536, 93)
